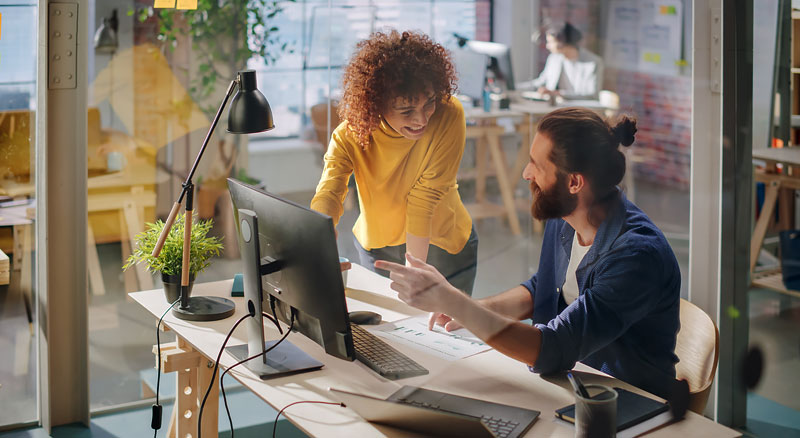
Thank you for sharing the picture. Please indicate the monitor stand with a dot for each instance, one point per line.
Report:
(285, 359)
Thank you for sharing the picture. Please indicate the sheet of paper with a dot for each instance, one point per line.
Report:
(414, 332)
(169, 4)
(187, 4)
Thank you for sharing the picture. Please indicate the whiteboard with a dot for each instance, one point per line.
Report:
(645, 35)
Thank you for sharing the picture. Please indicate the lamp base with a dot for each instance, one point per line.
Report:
(205, 309)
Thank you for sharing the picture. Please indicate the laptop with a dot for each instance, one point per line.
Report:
(440, 414)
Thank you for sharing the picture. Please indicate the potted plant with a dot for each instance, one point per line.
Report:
(169, 261)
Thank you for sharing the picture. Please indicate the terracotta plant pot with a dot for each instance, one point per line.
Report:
(172, 286)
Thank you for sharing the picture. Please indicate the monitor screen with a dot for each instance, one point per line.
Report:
(300, 246)
(500, 59)
(471, 71)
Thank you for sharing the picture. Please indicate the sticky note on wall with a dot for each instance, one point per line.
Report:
(187, 4)
(164, 4)
(1, 25)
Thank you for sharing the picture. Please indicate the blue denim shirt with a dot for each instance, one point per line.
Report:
(626, 318)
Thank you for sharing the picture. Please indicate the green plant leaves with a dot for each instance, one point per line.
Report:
(203, 247)
(214, 27)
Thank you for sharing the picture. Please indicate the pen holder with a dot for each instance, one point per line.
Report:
(596, 417)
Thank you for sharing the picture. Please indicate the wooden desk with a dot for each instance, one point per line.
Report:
(20, 219)
(489, 375)
(778, 186)
(128, 194)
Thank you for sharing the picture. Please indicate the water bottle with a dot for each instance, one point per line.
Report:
(487, 91)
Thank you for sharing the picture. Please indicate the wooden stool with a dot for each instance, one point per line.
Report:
(487, 136)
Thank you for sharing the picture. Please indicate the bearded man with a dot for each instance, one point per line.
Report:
(607, 292)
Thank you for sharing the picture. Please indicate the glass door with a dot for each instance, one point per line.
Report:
(18, 96)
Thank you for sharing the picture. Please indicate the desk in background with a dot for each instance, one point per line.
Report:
(487, 376)
(778, 187)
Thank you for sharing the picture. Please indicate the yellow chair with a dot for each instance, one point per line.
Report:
(697, 349)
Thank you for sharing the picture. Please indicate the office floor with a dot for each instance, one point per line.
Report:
(121, 334)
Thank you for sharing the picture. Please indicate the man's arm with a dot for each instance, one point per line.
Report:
(422, 286)
(515, 303)
(515, 339)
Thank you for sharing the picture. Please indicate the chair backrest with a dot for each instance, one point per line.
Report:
(697, 349)
(319, 117)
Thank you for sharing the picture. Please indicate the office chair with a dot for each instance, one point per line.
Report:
(697, 348)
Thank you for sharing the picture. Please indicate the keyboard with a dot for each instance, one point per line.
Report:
(499, 426)
(382, 357)
(503, 420)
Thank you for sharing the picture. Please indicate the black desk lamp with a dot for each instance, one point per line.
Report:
(250, 113)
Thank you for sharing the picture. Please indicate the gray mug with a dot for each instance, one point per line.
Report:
(596, 417)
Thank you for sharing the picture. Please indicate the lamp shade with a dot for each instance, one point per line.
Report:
(105, 39)
(250, 111)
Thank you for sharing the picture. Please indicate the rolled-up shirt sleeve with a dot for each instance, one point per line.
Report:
(530, 284)
(332, 187)
(625, 289)
(438, 177)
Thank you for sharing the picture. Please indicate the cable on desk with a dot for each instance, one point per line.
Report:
(222, 376)
(250, 314)
(275, 424)
(155, 419)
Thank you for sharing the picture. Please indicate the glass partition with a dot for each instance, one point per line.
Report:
(18, 146)
(153, 91)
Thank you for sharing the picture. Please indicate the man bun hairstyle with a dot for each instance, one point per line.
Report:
(585, 143)
(624, 129)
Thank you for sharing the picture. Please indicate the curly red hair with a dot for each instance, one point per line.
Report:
(388, 65)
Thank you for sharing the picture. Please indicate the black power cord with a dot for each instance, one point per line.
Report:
(216, 367)
(275, 424)
(222, 376)
(155, 419)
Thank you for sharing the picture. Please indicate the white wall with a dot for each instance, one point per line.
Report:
(513, 25)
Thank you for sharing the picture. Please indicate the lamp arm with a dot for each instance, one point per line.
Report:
(228, 94)
(187, 185)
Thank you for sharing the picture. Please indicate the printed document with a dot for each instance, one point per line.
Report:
(414, 332)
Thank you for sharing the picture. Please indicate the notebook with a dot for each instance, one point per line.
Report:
(632, 409)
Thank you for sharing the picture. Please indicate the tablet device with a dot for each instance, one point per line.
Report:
(632, 409)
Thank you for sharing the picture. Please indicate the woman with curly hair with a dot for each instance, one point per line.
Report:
(402, 136)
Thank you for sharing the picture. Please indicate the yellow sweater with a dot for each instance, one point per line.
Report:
(404, 186)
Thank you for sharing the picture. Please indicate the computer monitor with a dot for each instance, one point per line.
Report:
(500, 55)
(291, 265)
(471, 71)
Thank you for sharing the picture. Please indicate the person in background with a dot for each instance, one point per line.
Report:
(570, 71)
(607, 291)
(402, 137)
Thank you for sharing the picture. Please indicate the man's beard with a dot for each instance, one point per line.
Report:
(556, 202)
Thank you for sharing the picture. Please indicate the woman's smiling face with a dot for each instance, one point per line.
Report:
(410, 116)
